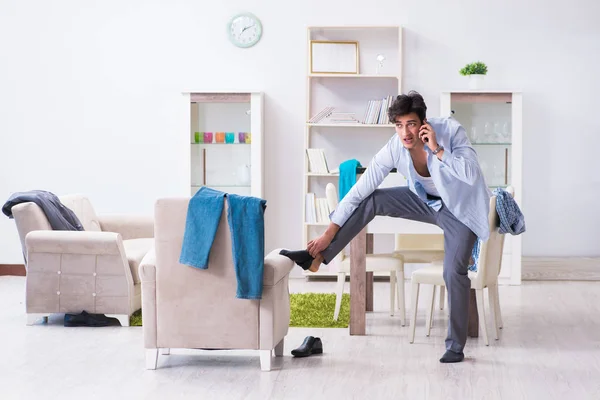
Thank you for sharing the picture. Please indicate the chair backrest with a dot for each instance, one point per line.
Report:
(420, 242)
(82, 207)
(490, 254)
(199, 305)
(30, 217)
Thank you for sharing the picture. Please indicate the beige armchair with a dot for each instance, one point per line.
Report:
(95, 270)
(186, 307)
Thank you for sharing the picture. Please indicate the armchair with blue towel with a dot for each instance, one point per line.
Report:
(246, 223)
(203, 304)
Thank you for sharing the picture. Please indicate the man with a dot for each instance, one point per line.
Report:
(445, 187)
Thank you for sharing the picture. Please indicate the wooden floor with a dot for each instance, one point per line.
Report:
(549, 349)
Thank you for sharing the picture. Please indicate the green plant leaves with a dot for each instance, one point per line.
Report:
(477, 67)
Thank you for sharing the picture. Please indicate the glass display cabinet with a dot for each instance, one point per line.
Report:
(493, 123)
(226, 142)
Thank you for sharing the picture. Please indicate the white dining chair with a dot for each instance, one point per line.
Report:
(488, 269)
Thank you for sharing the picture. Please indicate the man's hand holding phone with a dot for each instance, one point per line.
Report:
(427, 135)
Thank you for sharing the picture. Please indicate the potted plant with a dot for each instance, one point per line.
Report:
(475, 71)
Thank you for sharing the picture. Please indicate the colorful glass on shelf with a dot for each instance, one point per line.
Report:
(198, 138)
(229, 137)
(220, 137)
(208, 137)
(248, 138)
(242, 137)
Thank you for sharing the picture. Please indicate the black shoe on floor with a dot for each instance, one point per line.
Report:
(86, 319)
(452, 357)
(310, 346)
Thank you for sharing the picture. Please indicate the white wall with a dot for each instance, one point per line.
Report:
(89, 94)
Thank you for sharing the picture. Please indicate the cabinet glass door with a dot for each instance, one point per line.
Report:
(487, 119)
(221, 140)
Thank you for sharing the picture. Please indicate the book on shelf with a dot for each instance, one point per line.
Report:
(328, 116)
(375, 114)
(317, 162)
(317, 209)
(376, 111)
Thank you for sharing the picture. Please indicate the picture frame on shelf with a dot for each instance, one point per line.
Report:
(334, 57)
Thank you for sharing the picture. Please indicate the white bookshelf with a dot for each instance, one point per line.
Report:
(235, 167)
(493, 121)
(348, 93)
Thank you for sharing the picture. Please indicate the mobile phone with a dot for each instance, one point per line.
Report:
(426, 140)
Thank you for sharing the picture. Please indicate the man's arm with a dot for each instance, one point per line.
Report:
(461, 159)
(379, 167)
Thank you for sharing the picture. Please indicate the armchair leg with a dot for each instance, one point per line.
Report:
(265, 360)
(151, 358)
(33, 318)
(123, 318)
(279, 349)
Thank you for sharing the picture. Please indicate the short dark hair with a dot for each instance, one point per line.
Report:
(408, 103)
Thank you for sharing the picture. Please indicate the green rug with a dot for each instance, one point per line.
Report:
(136, 318)
(315, 310)
(310, 310)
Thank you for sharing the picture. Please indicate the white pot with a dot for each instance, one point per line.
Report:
(476, 81)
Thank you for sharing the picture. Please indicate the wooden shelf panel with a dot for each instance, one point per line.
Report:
(483, 97)
(220, 97)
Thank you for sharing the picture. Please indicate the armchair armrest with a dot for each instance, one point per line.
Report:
(74, 242)
(276, 268)
(129, 226)
(147, 273)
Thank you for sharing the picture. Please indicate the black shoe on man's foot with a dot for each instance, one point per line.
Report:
(300, 257)
(452, 357)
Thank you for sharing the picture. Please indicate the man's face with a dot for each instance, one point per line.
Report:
(407, 128)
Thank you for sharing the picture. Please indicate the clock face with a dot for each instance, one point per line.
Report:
(245, 30)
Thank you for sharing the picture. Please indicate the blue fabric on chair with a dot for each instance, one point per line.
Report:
(347, 176)
(511, 220)
(245, 216)
(203, 214)
(246, 223)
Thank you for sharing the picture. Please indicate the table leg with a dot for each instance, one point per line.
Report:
(473, 326)
(358, 292)
(369, 250)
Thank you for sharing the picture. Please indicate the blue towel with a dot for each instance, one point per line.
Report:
(246, 224)
(203, 214)
(511, 220)
(347, 176)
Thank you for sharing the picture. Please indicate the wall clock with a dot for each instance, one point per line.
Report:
(245, 30)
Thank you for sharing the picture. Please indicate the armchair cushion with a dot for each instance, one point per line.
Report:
(82, 207)
(129, 226)
(135, 250)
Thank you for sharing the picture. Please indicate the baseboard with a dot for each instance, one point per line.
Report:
(12, 269)
(561, 269)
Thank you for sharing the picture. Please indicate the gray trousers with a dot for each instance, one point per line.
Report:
(401, 202)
